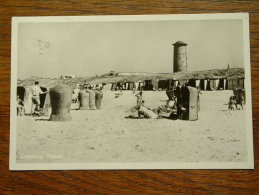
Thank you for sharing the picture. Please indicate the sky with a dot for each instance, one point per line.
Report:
(95, 48)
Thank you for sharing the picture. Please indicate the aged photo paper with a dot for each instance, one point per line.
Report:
(131, 92)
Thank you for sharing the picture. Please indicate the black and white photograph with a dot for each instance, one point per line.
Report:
(131, 92)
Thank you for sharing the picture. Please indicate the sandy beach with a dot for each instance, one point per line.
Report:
(107, 136)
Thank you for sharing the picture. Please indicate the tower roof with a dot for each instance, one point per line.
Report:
(180, 43)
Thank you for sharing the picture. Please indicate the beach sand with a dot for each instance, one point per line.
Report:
(105, 135)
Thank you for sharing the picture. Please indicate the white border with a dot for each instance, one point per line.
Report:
(174, 165)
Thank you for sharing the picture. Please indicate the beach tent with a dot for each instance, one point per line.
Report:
(21, 92)
(221, 84)
(241, 82)
(232, 83)
(131, 85)
(197, 83)
(170, 83)
(26, 96)
(212, 84)
(147, 85)
(163, 84)
(154, 83)
(216, 84)
(209, 85)
(225, 84)
(205, 84)
(141, 85)
(202, 84)
(113, 86)
(192, 83)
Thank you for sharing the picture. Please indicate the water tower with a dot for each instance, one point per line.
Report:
(180, 56)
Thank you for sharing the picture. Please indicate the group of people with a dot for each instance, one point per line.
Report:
(178, 102)
(176, 106)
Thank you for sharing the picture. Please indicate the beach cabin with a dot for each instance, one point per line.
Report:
(140, 85)
(130, 85)
(192, 83)
(163, 84)
(212, 84)
(221, 85)
(148, 85)
(241, 83)
(202, 84)
(232, 83)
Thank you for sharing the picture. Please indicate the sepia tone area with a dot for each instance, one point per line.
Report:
(219, 135)
(161, 181)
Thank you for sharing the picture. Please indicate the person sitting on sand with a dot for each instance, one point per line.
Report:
(75, 94)
(141, 113)
(144, 112)
(232, 103)
(20, 107)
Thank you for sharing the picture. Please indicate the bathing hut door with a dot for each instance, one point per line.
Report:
(44, 98)
(154, 84)
(21, 92)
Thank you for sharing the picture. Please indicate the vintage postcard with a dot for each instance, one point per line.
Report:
(131, 92)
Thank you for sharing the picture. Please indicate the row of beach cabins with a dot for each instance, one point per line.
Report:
(156, 84)
(230, 83)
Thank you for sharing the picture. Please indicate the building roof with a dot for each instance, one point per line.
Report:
(180, 43)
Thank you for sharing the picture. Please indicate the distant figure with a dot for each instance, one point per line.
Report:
(242, 101)
(241, 98)
(74, 97)
(36, 92)
(139, 98)
(75, 94)
(20, 106)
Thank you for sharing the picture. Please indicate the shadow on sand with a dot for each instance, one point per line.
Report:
(42, 119)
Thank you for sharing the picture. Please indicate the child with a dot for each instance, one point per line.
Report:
(231, 103)
(20, 108)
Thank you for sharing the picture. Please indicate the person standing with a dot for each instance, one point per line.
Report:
(36, 92)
